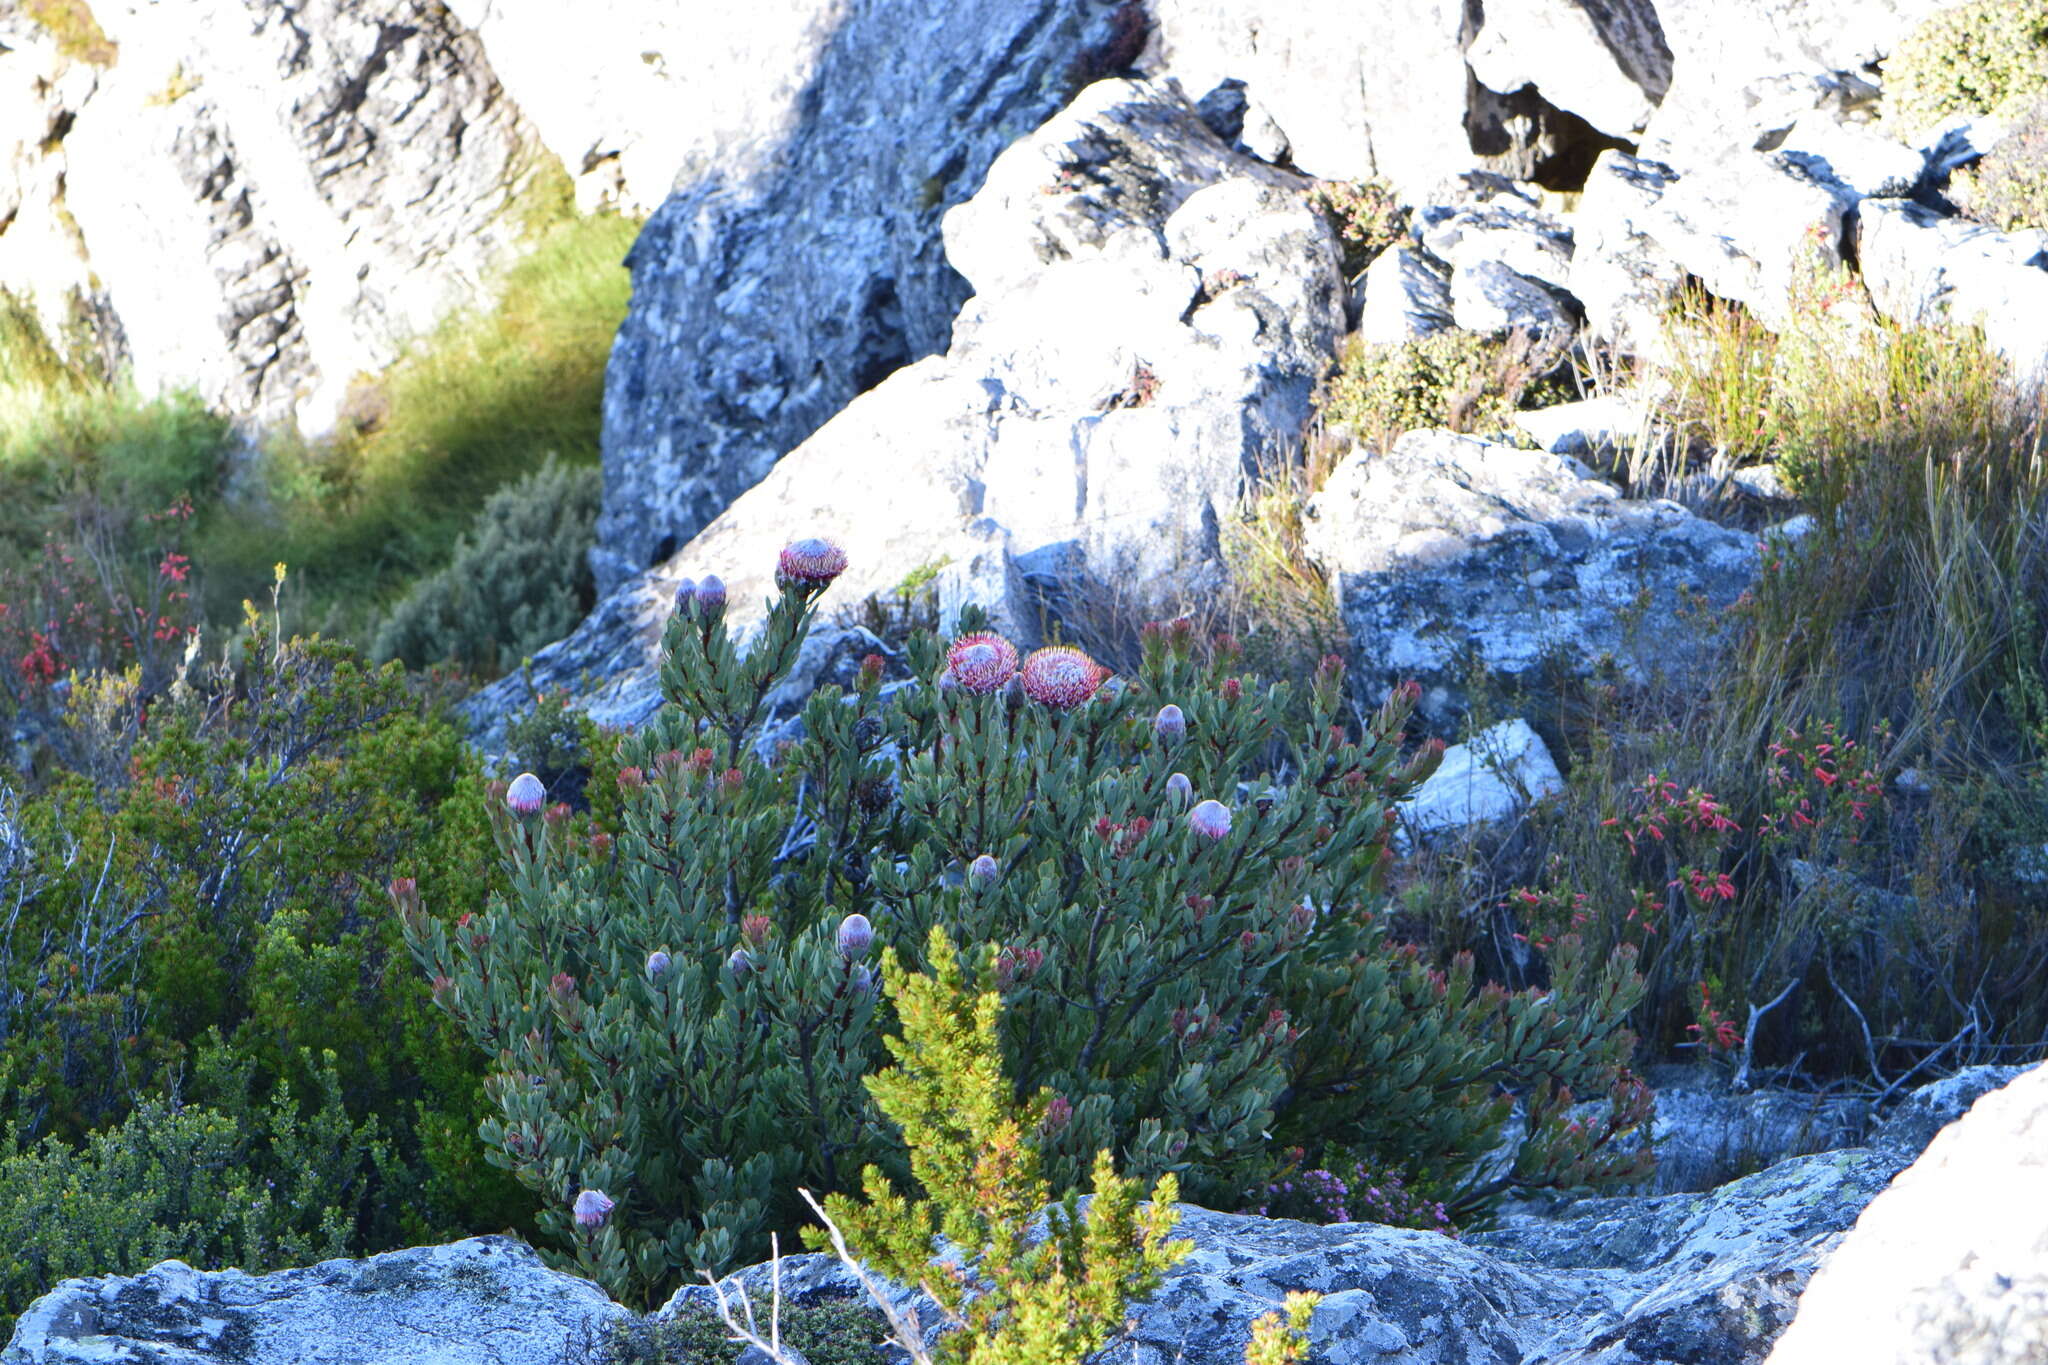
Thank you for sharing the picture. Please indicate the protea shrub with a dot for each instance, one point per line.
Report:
(1186, 936)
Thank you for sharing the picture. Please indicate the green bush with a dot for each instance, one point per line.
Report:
(230, 882)
(236, 1184)
(700, 1041)
(518, 581)
(833, 1332)
(1985, 57)
(2009, 187)
(1365, 215)
(1452, 378)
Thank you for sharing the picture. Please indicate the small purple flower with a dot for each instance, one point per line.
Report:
(1210, 820)
(657, 963)
(591, 1208)
(1180, 793)
(526, 795)
(711, 596)
(1170, 725)
(855, 934)
(984, 872)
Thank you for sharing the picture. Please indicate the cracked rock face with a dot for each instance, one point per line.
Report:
(1448, 547)
(265, 198)
(484, 1301)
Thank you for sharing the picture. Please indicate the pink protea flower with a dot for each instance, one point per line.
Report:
(982, 662)
(526, 795)
(1210, 820)
(591, 1208)
(984, 872)
(1170, 725)
(855, 935)
(812, 561)
(1061, 677)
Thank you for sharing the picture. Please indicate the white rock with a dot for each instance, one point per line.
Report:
(1922, 268)
(1605, 62)
(1488, 297)
(1951, 1263)
(1620, 274)
(1525, 240)
(1857, 155)
(1591, 426)
(1489, 777)
(1404, 295)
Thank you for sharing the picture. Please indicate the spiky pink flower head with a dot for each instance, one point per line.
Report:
(1170, 725)
(526, 795)
(740, 963)
(984, 872)
(855, 934)
(1061, 677)
(812, 561)
(711, 596)
(591, 1208)
(1179, 791)
(657, 963)
(982, 662)
(1210, 820)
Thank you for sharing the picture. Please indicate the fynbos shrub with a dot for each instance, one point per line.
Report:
(2009, 187)
(1184, 935)
(1986, 57)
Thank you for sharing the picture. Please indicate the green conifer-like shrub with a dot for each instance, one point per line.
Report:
(1984, 57)
(1177, 875)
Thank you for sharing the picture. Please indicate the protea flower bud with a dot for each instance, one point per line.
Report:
(591, 1208)
(1232, 689)
(563, 985)
(813, 562)
(855, 935)
(982, 662)
(405, 896)
(557, 814)
(526, 795)
(740, 963)
(1061, 677)
(870, 676)
(755, 929)
(1059, 1112)
(711, 597)
(657, 963)
(863, 981)
(631, 779)
(948, 681)
(686, 596)
(1180, 793)
(1170, 725)
(1210, 820)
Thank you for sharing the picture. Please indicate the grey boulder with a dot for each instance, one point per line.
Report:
(484, 1301)
(1924, 269)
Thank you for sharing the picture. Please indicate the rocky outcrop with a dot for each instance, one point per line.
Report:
(1950, 1264)
(1152, 313)
(485, 1301)
(1449, 550)
(260, 200)
(1489, 777)
(1924, 269)
(799, 263)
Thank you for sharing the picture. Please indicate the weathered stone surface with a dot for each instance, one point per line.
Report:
(1447, 544)
(1912, 1124)
(1526, 240)
(1705, 1136)
(1750, 223)
(488, 1300)
(1357, 88)
(1677, 1280)
(1604, 60)
(1489, 777)
(800, 265)
(1152, 314)
(1592, 428)
(273, 197)
(1858, 155)
(1620, 274)
(1404, 294)
(1489, 298)
(1949, 1265)
(1923, 268)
